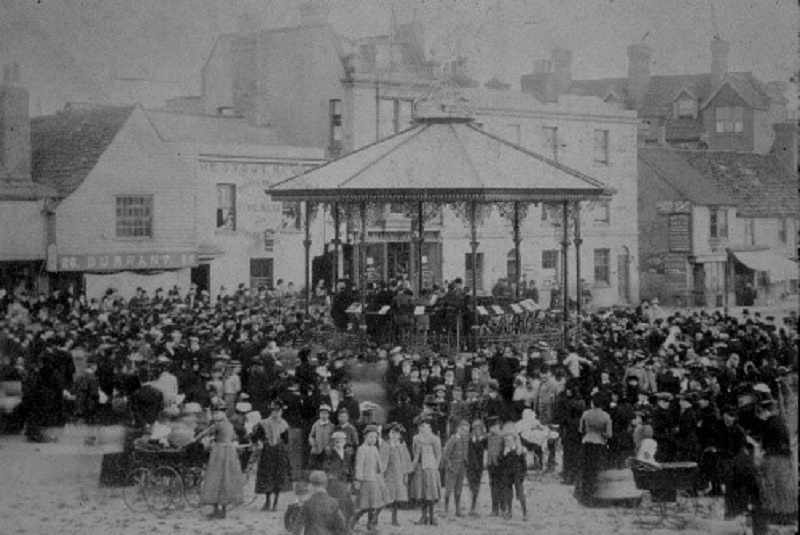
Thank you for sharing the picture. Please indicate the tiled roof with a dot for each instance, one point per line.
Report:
(663, 89)
(441, 160)
(670, 166)
(66, 146)
(684, 130)
(207, 129)
(760, 182)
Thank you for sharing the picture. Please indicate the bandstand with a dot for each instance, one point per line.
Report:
(445, 159)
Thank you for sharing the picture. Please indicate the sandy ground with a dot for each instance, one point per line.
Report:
(47, 491)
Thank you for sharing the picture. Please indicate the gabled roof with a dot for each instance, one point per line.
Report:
(663, 89)
(670, 166)
(761, 183)
(441, 160)
(65, 147)
(207, 129)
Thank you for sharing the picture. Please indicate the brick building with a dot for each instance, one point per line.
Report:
(125, 209)
(716, 110)
(240, 229)
(715, 225)
(318, 89)
(22, 201)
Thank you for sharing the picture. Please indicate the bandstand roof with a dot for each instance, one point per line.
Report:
(441, 160)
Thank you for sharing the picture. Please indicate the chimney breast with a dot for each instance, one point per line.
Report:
(719, 59)
(639, 58)
(15, 128)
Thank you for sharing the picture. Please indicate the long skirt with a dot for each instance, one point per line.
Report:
(223, 483)
(397, 490)
(777, 485)
(741, 489)
(273, 469)
(426, 484)
(372, 495)
(296, 448)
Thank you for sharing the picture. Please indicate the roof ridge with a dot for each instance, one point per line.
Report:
(554, 163)
(360, 149)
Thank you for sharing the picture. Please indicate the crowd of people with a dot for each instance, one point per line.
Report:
(637, 383)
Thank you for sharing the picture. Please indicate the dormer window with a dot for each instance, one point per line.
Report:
(686, 108)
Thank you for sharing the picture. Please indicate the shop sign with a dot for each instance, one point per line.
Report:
(126, 261)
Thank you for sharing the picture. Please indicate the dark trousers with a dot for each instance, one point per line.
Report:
(508, 490)
(495, 488)
(593, 457)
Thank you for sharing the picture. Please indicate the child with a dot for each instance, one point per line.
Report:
(349, 430)
(477, 445)
(454, 460)
(426, 486)
(397, 460)
(494, 447)
(648, 447)
(369, 479)
(223, 482)
(273, 464)
(512, 469)
(320, 437)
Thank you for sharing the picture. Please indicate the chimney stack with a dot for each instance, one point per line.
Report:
(562, 67)
(719, 60)
(785, 144)
(639, 58)
(15, 126)
(542, 83)
(314, 13)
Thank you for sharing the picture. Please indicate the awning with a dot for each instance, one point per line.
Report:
(779, 267)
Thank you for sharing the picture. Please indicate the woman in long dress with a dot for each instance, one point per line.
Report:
(776, 477)
(273, 465)
(397, 460)
(223, 484)
(372, 494)
(426, 485)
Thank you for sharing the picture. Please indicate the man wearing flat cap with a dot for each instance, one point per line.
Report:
(320, 514)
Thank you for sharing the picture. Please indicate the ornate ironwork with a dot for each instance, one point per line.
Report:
(463, 211)
(506, 210)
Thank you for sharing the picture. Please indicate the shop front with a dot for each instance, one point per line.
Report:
(94, 274)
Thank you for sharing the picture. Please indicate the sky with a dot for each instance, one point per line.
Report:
(117, 51)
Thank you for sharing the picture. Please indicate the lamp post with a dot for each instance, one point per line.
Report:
(578, 242)
(517, 240)
(565, 275)
(307, 245)
(420, 243)
(336, 243)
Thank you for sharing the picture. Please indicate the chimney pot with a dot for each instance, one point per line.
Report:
(639, 58)
(719, 59)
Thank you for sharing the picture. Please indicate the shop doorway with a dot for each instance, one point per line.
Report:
(201, 277)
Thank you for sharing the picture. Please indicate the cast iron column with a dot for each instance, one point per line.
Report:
(578, 242)
(420, 242)
(307, 245)
(565, 275)
(474, 245)
(362, 263)
(336, 242)
(517, 240)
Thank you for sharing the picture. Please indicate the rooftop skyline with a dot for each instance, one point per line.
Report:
(145, 51)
